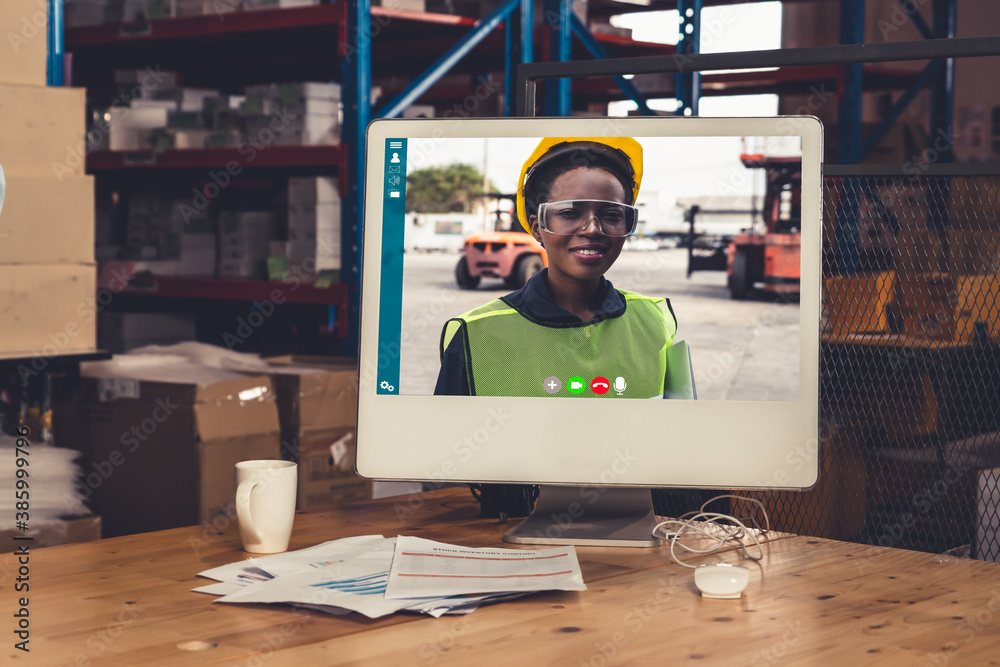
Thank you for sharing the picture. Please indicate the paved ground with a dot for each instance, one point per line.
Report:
(746, 350)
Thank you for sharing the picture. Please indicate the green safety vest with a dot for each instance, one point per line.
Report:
(509, 355)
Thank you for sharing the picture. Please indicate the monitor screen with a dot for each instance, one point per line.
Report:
(529, 285)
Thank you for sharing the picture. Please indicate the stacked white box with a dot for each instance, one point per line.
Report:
(243, 243)
(208, 7)
(197, 255)
(419, 111)
(154, 220)
(249, 5)
(143, 84)
(293, 114)
(138, 10)
(313, 223)
(131, 128)
(77, 13)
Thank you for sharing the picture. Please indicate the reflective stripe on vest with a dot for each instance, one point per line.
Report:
(509, 355)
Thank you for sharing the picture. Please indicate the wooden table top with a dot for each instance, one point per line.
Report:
(127, 601)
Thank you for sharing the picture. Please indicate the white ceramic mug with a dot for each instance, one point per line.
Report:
(265, 504)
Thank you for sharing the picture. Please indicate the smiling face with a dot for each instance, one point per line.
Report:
(585, 256)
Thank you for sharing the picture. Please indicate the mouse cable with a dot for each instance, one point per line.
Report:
(706, 525)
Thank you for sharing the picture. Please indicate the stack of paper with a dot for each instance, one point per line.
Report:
(376, 576)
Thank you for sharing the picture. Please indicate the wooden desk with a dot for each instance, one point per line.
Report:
(126, 601)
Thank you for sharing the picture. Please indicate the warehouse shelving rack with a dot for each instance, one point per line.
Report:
(338, 39)
(316, 43)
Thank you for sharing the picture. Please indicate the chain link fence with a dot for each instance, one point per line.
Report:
(910, 396)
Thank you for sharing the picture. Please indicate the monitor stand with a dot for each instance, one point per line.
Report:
(589, 516)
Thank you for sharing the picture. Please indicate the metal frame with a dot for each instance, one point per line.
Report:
(55, 75)
(442, 65)
(689, 44)
(356, 94)
(558, 93)
(852, 31)
(598, 51)
(912, 170)
(529, 74)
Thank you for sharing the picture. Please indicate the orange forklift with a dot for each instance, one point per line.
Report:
(770, 259)
(508, 253)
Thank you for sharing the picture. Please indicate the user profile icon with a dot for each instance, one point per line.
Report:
(552, 384)
(576, 385)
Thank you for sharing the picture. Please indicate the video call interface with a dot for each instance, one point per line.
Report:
(453, 243)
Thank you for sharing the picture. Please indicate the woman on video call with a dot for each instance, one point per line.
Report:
(576, 196)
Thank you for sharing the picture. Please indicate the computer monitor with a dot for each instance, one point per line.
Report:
(532, 391)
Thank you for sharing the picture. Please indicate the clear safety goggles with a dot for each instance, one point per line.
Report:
(572, 217)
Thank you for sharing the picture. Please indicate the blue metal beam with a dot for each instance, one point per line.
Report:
(852, 31)
(508, 65)
(527, 31)
(917, 18)
(55, 75)
(442, 65)
(942, 114)
(558, 94)
(943, 95)
(688, 43)
(356, 78)
(598, 51)
(880, 130)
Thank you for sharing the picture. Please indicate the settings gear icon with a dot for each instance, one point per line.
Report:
(385, 385)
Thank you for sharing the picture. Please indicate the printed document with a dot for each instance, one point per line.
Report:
(424, 568)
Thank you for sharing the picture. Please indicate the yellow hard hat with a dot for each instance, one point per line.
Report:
(626, 150)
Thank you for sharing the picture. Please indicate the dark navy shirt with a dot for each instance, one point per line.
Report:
(534, 302)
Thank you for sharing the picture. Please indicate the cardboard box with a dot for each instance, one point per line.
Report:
(858, 303)
(919, 251)
(315, 392)
(47, 309)
(54, 533)
(974, 202)
(160, 453)
(24, 25)
(322, 483)
(318, 406)
(977, 309)
(926, 303)
(42, 130)
(972, 252)
(46, 220)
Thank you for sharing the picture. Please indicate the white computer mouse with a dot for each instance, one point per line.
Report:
(721, 580)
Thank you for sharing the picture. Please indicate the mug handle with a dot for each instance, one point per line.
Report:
(243, 492)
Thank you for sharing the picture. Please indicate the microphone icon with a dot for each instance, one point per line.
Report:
(620, 385)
